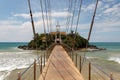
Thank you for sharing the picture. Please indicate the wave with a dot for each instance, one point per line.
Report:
(11, 60)
(91, 57)
(2, 77)
(115, 59)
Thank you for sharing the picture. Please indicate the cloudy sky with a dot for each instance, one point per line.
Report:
(15, 21)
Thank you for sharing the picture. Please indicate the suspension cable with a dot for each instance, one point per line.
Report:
(43, 21)
(67, 15)
(35, 35)
(75, 3)
(69, 18)
(32, 21)
(46, 10)
(92, 22)
(78, 16)
(49, 15)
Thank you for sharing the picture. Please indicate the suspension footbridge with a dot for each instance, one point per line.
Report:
(56, 63)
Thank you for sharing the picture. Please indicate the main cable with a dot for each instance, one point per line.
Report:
(92, 22)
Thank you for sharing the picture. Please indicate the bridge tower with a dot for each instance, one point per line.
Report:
(58, 34)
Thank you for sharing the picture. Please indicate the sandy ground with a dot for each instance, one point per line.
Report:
(27, 76)
(95, 73)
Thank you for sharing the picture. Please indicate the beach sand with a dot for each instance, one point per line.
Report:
(96, 74)
(29, 75)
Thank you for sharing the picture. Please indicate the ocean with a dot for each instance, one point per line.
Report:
(12, 58)
(107, 60)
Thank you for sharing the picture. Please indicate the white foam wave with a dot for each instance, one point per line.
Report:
(115, 59)
(1, 77)
(14, 60)
(91, 57)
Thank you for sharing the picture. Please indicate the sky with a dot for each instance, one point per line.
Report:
(15, 23)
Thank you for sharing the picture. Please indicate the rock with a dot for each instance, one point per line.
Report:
(24, 47)
(95, 48)
(92, 47)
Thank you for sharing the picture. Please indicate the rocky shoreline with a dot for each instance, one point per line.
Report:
(24, 47)
(94, 48)
(90, 48)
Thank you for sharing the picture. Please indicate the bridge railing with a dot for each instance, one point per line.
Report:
(35, 69)
(89, 70)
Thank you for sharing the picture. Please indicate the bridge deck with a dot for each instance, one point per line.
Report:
(60, 67)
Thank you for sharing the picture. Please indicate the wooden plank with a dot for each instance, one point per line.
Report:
(60, 67)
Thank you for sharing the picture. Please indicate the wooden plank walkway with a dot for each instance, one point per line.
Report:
(60, 67)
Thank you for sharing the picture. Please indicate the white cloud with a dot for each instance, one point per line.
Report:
(100, 4)
(106, 6)
(13, 32)
(22, 15)
(109, 10)
(88, 7)
(108, 0)
(113, 9)
(39, 14)
(61, 14)
(91, 7)
(10, 31)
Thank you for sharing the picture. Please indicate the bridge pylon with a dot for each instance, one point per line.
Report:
(58, 34)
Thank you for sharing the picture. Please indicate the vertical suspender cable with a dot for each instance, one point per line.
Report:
(31, 18)
(70, 9)
(43, 21)
(49, 14)
(46, 10)
(91, 26)
(68, 16)
(50, 18)
(92, 22)
(35, 35)
(73, 14)
(78, 15)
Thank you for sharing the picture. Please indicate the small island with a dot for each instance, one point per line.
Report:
(73, 40)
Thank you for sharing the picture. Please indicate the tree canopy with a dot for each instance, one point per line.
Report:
(74, 40)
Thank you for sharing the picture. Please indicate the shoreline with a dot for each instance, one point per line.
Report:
(13, 74)
(28, 75)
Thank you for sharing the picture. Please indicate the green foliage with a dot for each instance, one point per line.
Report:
(73, 40)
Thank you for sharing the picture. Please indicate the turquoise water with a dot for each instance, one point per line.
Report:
(12, 58)
(108, 60)
(10, 45)
(107, 45)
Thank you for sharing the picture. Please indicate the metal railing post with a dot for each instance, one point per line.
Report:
(44, 59)
(89, 71)
(76, 60)
(111, 76)
(35, 69)
(72, 56)
(41, 65)
(80, 64)
(19, 76)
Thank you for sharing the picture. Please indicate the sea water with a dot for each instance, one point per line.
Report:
(109, 59)
(12, 58)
